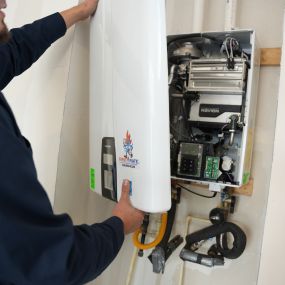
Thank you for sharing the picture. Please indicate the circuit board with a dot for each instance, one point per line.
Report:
(212, 167)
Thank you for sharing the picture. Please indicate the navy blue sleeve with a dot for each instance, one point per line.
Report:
(27, 44)
(36, 246)
(106, 238)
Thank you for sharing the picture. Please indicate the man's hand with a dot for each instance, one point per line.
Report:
(80, 12)
(89, 7)
(131, 217)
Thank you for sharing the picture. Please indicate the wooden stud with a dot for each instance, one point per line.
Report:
(270, 57)
(245, 190)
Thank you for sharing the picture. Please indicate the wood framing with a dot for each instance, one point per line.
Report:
(270, 57)
(246, 190)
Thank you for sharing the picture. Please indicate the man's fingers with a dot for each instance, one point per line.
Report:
(141, 214)
(125, 189)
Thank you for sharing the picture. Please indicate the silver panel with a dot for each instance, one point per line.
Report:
(214, 99)
(213, 75)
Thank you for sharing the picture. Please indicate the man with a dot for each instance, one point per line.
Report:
(36, 246)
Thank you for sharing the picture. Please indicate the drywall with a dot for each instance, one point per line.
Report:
(272, 258)
(73, 196)
(37, 96)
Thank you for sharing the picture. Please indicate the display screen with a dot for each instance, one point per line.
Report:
(108, 180)
(108, 159)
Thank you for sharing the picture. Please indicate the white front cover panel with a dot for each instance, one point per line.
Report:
(129, 97)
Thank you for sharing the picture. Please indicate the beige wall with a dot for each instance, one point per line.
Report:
(272, 258)
(37, 96)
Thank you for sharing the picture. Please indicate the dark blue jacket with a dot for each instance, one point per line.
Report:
(36, 246)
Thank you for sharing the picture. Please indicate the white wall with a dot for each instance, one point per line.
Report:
(272, 258)
(73, 196)
(37, 97)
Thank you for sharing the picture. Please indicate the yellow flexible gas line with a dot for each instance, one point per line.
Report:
(158, 238)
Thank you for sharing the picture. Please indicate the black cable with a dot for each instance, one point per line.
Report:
(215, 230)
(200, 195)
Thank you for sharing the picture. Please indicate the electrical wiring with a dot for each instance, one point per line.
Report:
(244, 55)
(224, 126)
(195, 193)
(229, 176)
(229, 46)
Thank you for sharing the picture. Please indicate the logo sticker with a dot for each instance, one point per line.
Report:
(128, 159)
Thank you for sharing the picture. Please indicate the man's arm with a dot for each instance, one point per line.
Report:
(86, 264)
(79, 13)
(28, 43)
(38, 247)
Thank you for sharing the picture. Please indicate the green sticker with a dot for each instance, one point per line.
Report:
(245, 178)
(92, 179)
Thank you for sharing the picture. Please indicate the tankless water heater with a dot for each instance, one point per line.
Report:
(129, 119)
